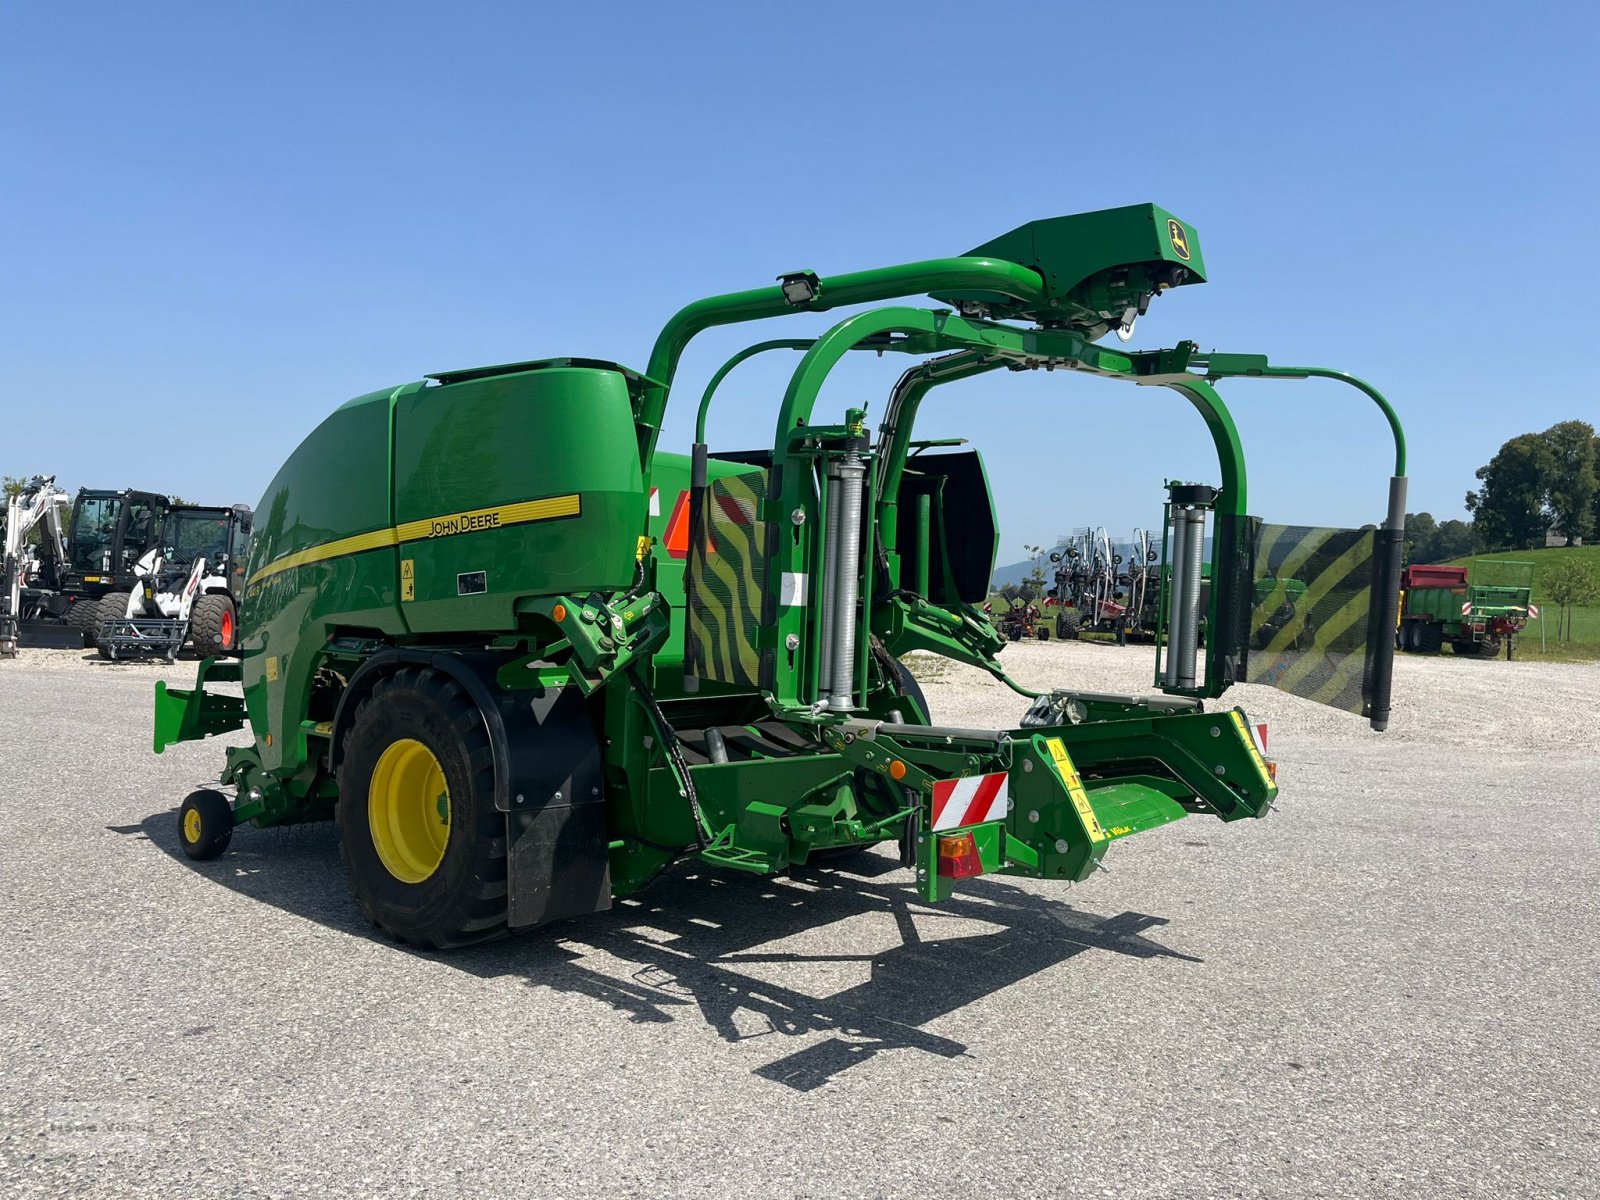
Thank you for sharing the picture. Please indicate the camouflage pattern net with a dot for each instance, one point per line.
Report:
(730, 583)
(1311, 606)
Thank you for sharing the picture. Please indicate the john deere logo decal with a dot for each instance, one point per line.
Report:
(1179, 239)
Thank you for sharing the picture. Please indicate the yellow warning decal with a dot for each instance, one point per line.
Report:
(475, 520)
(1250, 745)
(1178, 237)
(1075, 789)
(272, 669)
(408, 579)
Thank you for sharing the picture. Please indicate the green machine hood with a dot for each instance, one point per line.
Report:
(1100, 269)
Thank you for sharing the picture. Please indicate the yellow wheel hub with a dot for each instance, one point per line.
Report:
(408, 811)
(191, 826)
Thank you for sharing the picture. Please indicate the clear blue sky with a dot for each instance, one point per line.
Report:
(217, 222)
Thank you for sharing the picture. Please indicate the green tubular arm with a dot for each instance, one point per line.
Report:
(748, 352)
(1255, 366)
(1225, 436)
(806, 383)
(911, 390)
(858, 287)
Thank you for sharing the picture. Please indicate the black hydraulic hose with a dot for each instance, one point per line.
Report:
(671, 750)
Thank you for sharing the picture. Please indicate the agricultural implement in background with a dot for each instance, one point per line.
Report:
(527, 660)
(1102, 588)
(1439, 604)
(1024, 619)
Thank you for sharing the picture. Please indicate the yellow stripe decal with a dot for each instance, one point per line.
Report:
(1250, 745)
(474, 521)
(375, 540)
(479, 519)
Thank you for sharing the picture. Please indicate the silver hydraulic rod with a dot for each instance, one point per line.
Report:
(851, 480)
(1186, 654)
(830, 583)
(1178, 552)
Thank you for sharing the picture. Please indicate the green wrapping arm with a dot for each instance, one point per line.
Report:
(189, 716)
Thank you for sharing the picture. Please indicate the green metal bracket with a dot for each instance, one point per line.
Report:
(186, 716)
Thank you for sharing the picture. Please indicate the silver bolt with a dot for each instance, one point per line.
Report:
(1034, 816)
(798, 516)
(1027, 765)
(1219, 769)
(519, 797)
(792, 642)
(1216, 731)
(558, 795)
(594, 791)
(1061, 845)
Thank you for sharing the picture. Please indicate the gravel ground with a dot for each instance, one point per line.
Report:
(1386, 988)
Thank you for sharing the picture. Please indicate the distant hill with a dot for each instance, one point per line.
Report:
(1015, 573)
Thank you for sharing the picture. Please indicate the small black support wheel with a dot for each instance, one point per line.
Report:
(1043, 633)
(1015, 633)
(212, 624)
(84, 616)
(205, 824)
(420, 836)
(1068, 626)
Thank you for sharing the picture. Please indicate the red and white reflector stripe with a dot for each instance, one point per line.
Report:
(958, 802)
(1261, 738)
(1466, 609)
(655, 502)
(1533, 612)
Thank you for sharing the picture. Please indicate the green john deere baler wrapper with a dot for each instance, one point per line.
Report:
(527, 660)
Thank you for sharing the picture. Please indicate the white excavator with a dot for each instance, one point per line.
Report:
(28, 571)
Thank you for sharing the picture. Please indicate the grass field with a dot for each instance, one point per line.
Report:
(1585, 643)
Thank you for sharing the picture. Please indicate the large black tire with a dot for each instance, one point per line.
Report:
(205, 824)
(910, 688)
(213, 625)
(84, 616)
(462, 899)
(1069, 625)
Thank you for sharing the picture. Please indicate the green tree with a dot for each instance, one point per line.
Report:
(1570, 584)
(1570, 495)
(1454, 539)
(1421, 532)
(1509, 509)
(1594, 507)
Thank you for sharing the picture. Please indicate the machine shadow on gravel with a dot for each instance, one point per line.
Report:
(690, 939)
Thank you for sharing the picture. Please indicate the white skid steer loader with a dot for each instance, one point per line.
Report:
(186, 589)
